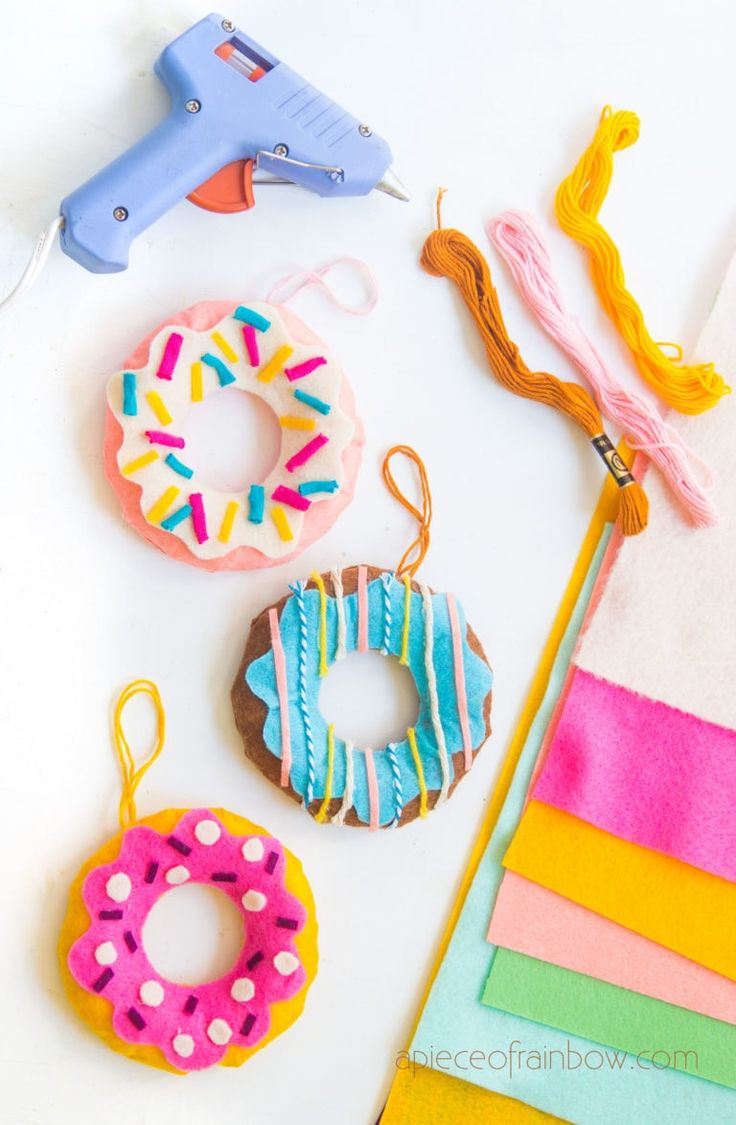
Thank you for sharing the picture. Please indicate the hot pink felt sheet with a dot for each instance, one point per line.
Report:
(644, 772)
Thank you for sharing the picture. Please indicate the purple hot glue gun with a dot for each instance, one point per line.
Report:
(235, 108)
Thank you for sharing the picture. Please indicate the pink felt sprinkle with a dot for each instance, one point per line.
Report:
(370, 769)
(362, 609)
(284, 495)
(279, 660)
(302, 369)
(462, 699)
(306, 452)
(170, 356)
(199, 521)
(156, 437)
(251, 345)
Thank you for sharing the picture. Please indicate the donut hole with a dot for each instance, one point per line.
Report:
(371, 699)
(193, 934)
(233, 439)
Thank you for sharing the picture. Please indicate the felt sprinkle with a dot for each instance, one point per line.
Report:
(179, 845)
(311, 486)
(412, 739)
(460, 690)
(228, 520)
(151, 872)
(191, 1005)
(347, 798)
(273, 858)
(306, 452)
(158, 406)
(287, 923)
(176, 517)
(162, 505)
(225, 348)
(285, 495)
(370, 771)
(130, 397)
(178, 466)
(103, 979)
(275, 363)
(320, 584)
(248, 1022)
(224, 877)
(256, 503)
(279, 661)
(362, 609)
(302, 369)
(404, 658)
(130, 941)
(224, 374)
(254, 960)
(292, 422)
(110, 915)
(251, 345)
(136, 1018)
(298, 590)
(197, 393)
(321, 816)
(170, 356)
(198, 517)
(313, 401)
(278, 515)
(156, 437)
(139, 463)
(250, 316)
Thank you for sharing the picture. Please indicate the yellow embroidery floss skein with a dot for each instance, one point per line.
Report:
(689, 388)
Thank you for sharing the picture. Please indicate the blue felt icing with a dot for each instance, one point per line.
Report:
(260, 677)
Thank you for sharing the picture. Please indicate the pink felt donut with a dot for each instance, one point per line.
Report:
(267, 351)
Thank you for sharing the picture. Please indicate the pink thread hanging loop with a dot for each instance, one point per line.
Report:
(293, 283)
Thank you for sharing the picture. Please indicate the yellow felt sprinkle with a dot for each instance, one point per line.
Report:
(319, 583)
(278, 515)
(276, 363)
(412, 737)
(224, 347)
(321, 816)
(158, 406)
(162, 505)
(197, 382)
(139, 463)
(228, 520)
(291, 422)
(404, 658)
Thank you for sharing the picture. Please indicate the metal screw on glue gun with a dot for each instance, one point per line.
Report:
(227, 25)
(281, 150)
(365, 130)
(193, 106)
(120, 213)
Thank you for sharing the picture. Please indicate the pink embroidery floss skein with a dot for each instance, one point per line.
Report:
(517, 239)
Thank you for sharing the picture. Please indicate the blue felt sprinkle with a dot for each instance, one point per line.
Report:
(176, 518)
(311, 400)
(256, 503)
(130, 397)
(179, 467)
(311, 486)
(224, 374)
(250, 316)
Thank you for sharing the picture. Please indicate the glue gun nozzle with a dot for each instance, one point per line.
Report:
(392, 185)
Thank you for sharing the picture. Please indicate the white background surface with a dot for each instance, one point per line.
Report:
(495, 100)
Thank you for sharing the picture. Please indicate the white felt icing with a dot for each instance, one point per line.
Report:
(177, 875)
(207, 832)
(323, 383)
(252, 850)
(285, 963)
(243, 990)
(219, 1032)
(118, 887)
(183, 1045)
(666, 622)
(151, 993)
(254, 901)
(106, 954)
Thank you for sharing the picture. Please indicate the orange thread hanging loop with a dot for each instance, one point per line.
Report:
(413, 556)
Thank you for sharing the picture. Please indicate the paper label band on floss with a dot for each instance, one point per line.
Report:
(612, 459)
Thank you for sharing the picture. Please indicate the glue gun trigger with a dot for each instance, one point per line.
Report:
(228, 191)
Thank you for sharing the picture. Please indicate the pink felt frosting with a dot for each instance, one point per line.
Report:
(193, 1026)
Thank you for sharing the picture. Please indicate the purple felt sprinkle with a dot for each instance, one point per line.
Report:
(191, 1005)
(130, 941)
(103, 979)
(255, 960)
(136, 1018)
(111, 915)
(224, 877)
(179, 845)
(151, 873)
(272, 861)
(248, 1022)
(287, 923)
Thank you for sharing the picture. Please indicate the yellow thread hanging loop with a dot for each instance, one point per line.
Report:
(413, 556)
(132, 775)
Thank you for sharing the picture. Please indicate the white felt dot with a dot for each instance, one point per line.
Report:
(207, 832)
(183, 1045)
(219, 1032)
(118, 887)
(106, 954)
(177, 875)
(254, 900)
(243, 990)
(286, 963)
(151, 993)
(252, 850)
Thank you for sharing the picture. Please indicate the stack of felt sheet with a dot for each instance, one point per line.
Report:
(604, 990)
